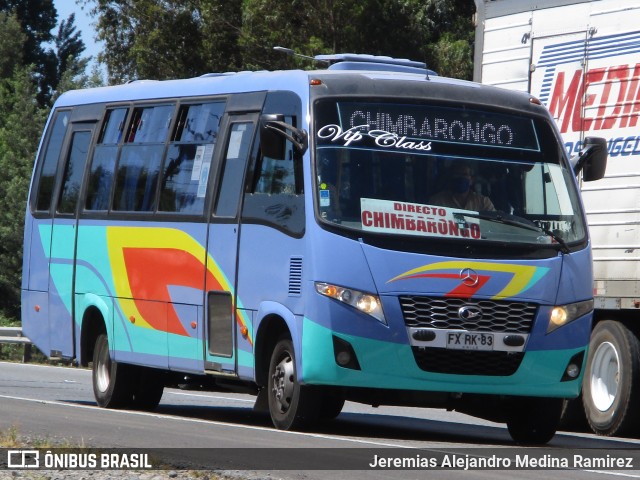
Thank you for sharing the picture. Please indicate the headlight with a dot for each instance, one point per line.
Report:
(365, 302)
(563, 314)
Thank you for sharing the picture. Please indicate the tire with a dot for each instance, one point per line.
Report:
(292, 406)
(112, 385)
(534, 421)
(611, 385)
(331, 406)
(148, 388)
(573, 418)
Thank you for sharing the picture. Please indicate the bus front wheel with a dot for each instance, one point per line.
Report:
(533, 421)
(112, 385)
(291, 405)
(611, 385)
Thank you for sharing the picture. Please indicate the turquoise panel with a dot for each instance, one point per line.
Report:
(392, 366)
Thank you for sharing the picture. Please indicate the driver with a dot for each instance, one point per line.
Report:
(459, 193)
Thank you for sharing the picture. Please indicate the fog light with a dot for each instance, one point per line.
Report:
(573, 370)
(344, 354)
(343, 359)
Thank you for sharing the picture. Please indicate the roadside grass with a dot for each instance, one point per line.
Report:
(11, 438)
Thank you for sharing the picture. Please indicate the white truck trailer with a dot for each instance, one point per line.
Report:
(582, 60)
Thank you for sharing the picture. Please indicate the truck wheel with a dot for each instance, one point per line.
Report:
(112, 386)
(534, 421)
(611, 382)
(291, 405)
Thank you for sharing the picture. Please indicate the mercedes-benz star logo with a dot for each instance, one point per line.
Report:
(469, 312)
(469, 277)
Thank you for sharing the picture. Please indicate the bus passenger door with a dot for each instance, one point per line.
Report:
(62, 329)
(225, 317)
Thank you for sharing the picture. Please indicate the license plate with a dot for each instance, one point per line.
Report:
(469, 341)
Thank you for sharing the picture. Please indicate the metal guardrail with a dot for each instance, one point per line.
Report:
(14, 335)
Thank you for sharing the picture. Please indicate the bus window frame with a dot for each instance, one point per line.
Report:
(72, 130)
(40, 162)
(155, 213)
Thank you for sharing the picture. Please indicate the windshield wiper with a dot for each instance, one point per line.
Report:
(514, 222)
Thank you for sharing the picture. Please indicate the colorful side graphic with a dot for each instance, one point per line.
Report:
(472, 276)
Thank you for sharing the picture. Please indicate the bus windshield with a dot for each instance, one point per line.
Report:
(443, 172)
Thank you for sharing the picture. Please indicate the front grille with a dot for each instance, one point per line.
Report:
(430, 312)
(465, 362)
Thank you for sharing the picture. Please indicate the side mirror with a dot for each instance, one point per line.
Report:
(274, 133)
(592, 159)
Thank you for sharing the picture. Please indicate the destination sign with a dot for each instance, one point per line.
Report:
(386, 216)
(419, 127)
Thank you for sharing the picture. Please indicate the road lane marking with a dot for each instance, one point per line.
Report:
(207, 422)
(266, 429)
(619, 474)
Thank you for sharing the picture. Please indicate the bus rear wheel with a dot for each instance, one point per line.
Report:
(147, 389)
(292, 406)
(112, 381)
(534, 421)
(612, 377)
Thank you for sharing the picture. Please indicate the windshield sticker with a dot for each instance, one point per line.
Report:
(325, 198)
(381, 138)
(386, 216)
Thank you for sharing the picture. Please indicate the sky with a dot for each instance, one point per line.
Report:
(83, 24)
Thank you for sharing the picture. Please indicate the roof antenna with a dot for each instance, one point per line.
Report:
(291, 53)
(426, 67)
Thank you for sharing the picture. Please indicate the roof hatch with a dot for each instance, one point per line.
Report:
(355, 61)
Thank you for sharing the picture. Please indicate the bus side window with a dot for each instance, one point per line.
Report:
(274, 194)
(49, 167)
(140, 158)
(277, 176)
(240, 137)
(186, 169)
(104, 160)
(74, 171)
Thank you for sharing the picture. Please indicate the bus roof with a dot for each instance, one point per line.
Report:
(372, 79)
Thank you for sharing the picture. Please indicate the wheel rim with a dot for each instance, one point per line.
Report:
(605, 376)
(103, 368)
(283, 383)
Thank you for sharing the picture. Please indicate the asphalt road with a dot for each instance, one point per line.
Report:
(56, 404)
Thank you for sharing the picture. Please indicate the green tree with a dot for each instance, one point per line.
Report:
(220, 23)
(168, 39)
(37, 18)
(161, 39)
(28, 76)
(11, 41)
(452, 57)
(69, 48)
(437, 31)
(156, 39)
(21, 124)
